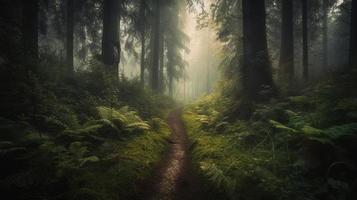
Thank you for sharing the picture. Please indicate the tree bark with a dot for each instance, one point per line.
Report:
(110, 41)
(156, 49)
(142, 40)
(256, 70)
(353, 36)
(30, 31)
(305, 51)
(286, 63)
(325, 34)
(162, 63)
(69, 38)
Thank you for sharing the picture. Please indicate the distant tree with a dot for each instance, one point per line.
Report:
(70, 35)
(156, 47)
(162, 61)
(256, 70)
(325, 8)
(30, 30)
(110, 41)
(286, 64)
(142, 13)
(305, 50)
(175, 42)
(353, 36)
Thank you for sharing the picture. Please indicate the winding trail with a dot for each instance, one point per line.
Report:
(174, 179)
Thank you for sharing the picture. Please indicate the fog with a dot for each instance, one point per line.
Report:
(202, 59)
(202, 71)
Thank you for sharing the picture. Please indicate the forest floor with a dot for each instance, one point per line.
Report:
(173, 177)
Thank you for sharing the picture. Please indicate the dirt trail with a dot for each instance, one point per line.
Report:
(174, 179)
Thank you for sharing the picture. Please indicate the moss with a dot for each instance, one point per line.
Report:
(232, 169)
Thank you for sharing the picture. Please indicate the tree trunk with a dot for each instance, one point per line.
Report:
(286, 64)
(162, 64)
(305, 52)
(110, 41)
(30, 31)
(353, 36)
(256, 69)
(170, 86)
(69, 38)
(142, 40)
(156, 49)
(325, 34)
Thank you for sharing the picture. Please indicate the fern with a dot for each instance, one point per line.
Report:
(138, 126)
(282, 127)
(336, 132)
(123, 118)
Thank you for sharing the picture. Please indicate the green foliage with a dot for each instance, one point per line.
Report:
(124, 118)
(80, 137)
(284, 150)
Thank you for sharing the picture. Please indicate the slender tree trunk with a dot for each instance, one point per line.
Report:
(286, 64)
(69, 38)
(256, 69)
(142, 39)
(353, 36)
(110, 41)
(156, 49)
(30, 30)
(208, 78)
(305, 51)
(171, 88)
(325, 34)
(162, 63)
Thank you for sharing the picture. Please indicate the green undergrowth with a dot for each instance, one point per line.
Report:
(87, 136)
(106, 158)
(295, 148)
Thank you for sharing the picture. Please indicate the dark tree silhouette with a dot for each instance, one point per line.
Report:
(325, 7)
(110, 41)
(286, 64)
(305, 51)
(30, 30)
(256, 69)
(353, 36)
(156, 48)
(142, 13)
(70, 35)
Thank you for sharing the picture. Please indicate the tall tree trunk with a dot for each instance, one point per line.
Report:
(156, 49)
(142, 40)
(305, 51)
(69, 38)
(208, 81)
(325, 34)
(286, 64)
(171, 85)
(162, 63)
(353, 36)
(256, 69)
(110, 41)
(30, 30)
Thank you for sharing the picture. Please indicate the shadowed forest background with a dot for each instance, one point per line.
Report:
(178, 99)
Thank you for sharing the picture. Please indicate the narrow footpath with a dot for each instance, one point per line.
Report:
(174, 180)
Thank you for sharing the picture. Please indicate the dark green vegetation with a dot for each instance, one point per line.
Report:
(299, 147)
(73, 131)
(281, 124)
(269, 132)
(81, 138)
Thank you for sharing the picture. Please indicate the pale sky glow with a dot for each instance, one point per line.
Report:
(203, 59)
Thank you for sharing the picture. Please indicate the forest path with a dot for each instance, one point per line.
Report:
(174, 176)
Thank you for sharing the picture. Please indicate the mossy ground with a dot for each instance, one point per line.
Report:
(293, 148)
